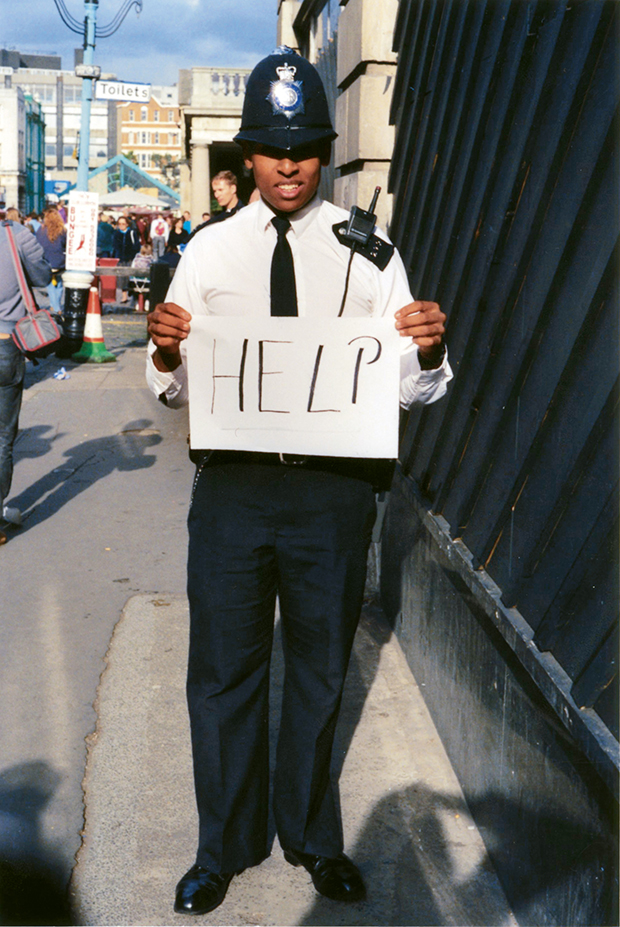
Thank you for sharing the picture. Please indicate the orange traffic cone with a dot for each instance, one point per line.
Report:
(93, 348)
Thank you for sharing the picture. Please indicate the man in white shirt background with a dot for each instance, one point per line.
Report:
(158, 233)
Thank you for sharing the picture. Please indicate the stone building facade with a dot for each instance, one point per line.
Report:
(211, 101)
(59, 92)
(351, 44)
(21, 150)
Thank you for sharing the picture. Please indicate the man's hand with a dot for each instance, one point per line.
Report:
(168, 326)
(424, 322)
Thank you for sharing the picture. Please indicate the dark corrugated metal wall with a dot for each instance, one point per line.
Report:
(505, 178)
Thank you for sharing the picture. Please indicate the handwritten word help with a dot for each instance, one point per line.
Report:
(294, 385)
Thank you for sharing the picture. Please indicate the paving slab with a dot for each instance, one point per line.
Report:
(406, 822)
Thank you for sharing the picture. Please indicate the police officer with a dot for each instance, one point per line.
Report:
(265, 525)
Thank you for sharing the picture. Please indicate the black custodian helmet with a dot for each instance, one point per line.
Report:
(285, 104)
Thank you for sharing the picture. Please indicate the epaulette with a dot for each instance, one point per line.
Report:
(376, 250)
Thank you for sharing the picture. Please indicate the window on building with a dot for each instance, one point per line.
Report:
(170, 115)
(144, 160)
(156, 116)
(43, 93)
(72, 93)
(144, 113)
(132, 115)
(68, 150)
(143, 138)
(50, 150)
(156, 138)
(320, 28)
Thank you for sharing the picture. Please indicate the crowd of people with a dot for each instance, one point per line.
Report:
(135, 239)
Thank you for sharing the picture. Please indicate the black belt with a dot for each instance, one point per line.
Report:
(378, 472)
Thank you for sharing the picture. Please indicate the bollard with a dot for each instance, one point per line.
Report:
(77, 288)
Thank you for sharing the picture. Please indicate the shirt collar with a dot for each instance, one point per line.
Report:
(300, 220)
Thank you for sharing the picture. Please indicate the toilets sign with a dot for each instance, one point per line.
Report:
(294, 385)
(120, 90)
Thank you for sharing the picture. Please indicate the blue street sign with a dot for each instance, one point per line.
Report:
(57, 187)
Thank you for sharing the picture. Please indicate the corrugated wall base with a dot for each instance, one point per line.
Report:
(547, 815)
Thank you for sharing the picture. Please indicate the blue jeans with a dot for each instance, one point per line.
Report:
(55, 293)
(12, 368)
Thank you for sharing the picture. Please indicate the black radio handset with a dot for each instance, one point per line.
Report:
(362, 222)
(358, 230)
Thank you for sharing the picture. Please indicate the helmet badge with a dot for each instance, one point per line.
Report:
(286, 94)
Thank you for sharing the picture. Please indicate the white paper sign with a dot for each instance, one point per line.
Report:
(328, 387)
(81, 250)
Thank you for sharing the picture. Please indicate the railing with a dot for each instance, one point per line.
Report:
(219, 88)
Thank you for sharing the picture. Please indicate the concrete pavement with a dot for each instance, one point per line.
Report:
(406, 823)
(103, 479)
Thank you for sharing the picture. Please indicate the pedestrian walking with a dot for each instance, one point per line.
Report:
(263, 525)
(12, 362)
(126, 246)
(32, 221)
(105, 236)
(53, 239)
(224, 186)
(140, 285)
(178, 236)
(159, 232)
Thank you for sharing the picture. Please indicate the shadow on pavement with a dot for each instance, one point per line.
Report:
(32, 889)
(85, 464)
(406, 856)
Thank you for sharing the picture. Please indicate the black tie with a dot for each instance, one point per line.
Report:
(283, 292)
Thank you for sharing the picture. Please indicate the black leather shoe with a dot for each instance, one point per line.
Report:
(337, 878)
(201, 891)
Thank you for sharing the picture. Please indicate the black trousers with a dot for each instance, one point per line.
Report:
(257, 532)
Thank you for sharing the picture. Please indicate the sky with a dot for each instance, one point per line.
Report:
(167, 35)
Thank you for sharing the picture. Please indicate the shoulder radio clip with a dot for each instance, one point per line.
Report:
(361, 223)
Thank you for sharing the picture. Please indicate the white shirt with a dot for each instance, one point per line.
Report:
(226, 270)
(159, 229)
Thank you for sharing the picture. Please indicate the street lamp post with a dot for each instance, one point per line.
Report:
(76, 289)
(89, 71)
(90, 27)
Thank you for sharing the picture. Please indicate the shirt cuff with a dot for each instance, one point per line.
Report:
(422, 386)
(171, 384)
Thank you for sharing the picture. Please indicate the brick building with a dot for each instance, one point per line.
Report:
(153, 130)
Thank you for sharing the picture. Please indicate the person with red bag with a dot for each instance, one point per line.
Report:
(12, 362)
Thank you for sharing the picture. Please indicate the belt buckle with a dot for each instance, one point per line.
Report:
(296, 461)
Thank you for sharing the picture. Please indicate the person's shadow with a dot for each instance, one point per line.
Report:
(417, 875)
(33, 885)
(84, 465)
